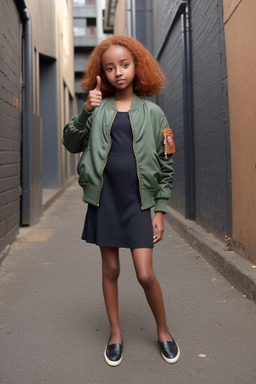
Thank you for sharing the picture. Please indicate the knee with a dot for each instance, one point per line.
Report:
(111, 271)
(146, 280)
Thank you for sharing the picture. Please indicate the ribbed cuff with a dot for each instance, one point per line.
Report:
(161, 205)
(83, 115)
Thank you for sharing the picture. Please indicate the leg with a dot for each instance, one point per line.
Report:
(110, 274)
(142, 259)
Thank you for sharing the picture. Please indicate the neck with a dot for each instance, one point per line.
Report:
(123, 100)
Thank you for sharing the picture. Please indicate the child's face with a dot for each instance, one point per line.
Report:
(119, 68)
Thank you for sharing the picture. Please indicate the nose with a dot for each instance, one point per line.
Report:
(118, 72)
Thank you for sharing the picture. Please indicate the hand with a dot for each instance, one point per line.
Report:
(158, 227)
(94, 97)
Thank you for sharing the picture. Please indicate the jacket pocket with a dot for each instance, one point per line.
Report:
(81, 162)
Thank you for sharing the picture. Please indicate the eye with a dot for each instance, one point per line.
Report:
(125, 65)
(109, 69)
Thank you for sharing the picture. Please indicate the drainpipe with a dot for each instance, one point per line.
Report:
(27, 111)
(133, 17)
(188, 109)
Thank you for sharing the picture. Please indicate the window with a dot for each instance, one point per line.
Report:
(79, 27)
(84, 27)
(80, 3)
(91, 26)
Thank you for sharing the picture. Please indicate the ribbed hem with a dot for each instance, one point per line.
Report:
(91, 194)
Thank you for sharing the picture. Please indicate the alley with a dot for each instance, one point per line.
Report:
(53, 322)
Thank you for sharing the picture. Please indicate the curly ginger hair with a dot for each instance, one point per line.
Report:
(149, 78)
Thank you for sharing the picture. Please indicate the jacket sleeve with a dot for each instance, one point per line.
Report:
(76, 132)
(166, 163)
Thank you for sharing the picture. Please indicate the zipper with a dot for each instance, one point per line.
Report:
(106, 158)
(136, 160)
(165, 148)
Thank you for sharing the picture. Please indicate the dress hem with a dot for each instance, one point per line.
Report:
(117, 246)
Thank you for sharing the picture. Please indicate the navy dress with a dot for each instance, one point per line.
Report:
(119, 220)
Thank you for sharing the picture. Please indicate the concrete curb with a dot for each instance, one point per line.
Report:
(238, 271)
(4, 253)
(56, 193)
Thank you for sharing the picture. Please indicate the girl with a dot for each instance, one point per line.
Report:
(125, 169)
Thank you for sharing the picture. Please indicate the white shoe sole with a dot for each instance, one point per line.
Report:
(174, 360)
(110, 362)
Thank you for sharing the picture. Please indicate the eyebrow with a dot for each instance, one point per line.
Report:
(120, 62)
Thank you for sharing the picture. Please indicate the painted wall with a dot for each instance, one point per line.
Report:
(240, 29)
(120, 21)
(53, 66)
(52, 26)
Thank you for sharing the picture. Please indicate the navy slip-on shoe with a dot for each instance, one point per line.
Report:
(113, 354)
(170, 351)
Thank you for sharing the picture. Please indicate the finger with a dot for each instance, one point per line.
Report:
(98, 84)
(157, 238)
(154, 234)
(154, 231)
(95, 93)
(157, 234)
(160, 235)
(95, 98)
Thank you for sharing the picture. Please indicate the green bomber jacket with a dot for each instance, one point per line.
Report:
(90, 133)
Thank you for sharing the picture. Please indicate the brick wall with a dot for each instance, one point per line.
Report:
(10, 121)
(211, 118)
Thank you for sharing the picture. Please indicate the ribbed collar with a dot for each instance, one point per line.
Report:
(136, 103)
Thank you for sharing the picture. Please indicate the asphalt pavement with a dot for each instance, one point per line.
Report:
(53, 325)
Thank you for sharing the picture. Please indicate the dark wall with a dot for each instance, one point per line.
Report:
(163, 15)
(48, 113)
(211, 118)
(210, 107)
(10, 121)
(171, 101)
(144, 23)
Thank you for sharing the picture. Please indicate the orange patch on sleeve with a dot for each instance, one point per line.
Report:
(169, 142)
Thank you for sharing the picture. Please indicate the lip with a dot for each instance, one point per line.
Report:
(120, 81)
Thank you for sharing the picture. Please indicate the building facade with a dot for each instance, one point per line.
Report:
(36, 100)
(88, 32)
(205, 50)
